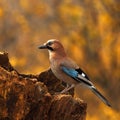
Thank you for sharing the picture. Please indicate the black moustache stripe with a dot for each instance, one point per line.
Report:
(50, 48)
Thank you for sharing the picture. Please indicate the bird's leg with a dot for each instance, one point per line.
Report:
(65, 90)
(68, 88)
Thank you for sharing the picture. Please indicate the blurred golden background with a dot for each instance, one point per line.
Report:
(89, 31)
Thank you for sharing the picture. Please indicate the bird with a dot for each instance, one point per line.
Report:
(65, 69)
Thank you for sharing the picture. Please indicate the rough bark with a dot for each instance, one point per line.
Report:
(33, 97)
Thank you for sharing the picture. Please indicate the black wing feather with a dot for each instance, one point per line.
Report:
(81, 71)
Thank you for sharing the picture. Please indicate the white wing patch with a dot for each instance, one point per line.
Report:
(83, 74)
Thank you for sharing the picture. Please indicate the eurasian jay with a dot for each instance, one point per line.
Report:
(67, 70)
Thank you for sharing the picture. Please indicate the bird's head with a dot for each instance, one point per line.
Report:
(52, 45)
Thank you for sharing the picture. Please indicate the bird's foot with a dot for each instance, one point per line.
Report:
(57, 93)
(67, 89)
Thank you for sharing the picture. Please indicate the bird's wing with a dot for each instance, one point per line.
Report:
(71, 65)
(77, 74)
(82, 73)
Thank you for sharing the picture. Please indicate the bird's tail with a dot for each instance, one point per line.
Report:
(99, 95)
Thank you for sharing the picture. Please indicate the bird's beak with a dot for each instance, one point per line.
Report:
(42, 47)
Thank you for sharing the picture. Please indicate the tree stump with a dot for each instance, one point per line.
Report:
(33, 97)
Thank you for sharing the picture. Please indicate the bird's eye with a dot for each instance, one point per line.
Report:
(49, 43)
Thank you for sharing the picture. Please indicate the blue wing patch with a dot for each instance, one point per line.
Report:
(71, 72)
